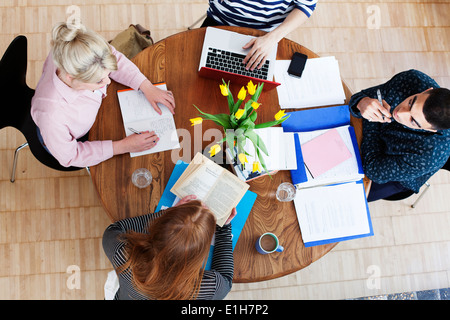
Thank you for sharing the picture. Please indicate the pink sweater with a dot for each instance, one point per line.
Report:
(64, 114)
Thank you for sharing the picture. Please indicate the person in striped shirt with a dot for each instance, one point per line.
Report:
(277, 17)
(161, 256)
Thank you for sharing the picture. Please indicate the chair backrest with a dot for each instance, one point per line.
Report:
(447, 165)
(15, 105)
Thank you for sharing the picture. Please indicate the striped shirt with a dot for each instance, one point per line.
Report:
(257, 14)
(216, 283)
(394, 152)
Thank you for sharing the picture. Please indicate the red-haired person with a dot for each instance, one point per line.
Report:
(162, 255)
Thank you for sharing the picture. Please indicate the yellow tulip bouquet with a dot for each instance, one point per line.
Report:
(239, 124)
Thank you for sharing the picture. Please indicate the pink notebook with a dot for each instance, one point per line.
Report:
(324, 152)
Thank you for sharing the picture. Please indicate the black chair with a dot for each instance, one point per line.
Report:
(16, 104)
(407, 194)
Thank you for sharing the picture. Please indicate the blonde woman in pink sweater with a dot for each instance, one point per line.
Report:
(68, 96)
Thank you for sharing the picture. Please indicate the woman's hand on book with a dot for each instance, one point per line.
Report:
(232, 215)
(156, 95)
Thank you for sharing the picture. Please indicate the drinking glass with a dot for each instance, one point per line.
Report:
(141, 178)
(285, 192)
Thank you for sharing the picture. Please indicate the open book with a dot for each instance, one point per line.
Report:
(168, 200)
(217, 187)
(138, 114)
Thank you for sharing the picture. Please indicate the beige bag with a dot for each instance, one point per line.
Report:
(132, 40)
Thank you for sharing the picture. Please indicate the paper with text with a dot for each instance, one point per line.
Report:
(320, 84)
(332, 212)
(217, 187)
(138, 114)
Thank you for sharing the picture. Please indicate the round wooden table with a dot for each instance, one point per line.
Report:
(175, 61)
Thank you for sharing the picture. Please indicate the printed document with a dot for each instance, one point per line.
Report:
(320, 84)
(334, 218)
(280, 146)
(138, 114)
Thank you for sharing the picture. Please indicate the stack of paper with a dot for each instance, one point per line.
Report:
(280, 146)
(330, 203)
(217, 187)
(329, 157)
(331, 214)
(320, 84)
(324, 152)
(138, 114)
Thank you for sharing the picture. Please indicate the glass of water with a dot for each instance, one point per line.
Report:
(285, 192)
(141, 178)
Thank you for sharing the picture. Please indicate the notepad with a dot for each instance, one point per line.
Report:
(324, 152)
(138, 113)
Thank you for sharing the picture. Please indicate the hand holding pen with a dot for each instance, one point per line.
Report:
(141, 140)
(375, 110)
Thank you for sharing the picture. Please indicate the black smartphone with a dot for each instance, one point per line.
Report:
(297, 65)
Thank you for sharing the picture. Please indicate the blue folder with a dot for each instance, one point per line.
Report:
(319, 119)
(243, 208)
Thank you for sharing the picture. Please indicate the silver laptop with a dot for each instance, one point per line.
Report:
(222, 57)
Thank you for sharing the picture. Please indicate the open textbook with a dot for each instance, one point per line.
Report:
(138, 114)
(217, 187)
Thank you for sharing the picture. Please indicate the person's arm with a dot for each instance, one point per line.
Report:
(113, 245)
(129, 74)
(222, 261)
(364, 104)
(382, 167)
(261, 46)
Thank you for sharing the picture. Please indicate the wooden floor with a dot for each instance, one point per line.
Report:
(52, 222)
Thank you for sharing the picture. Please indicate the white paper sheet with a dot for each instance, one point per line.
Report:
(137, 113)
(320, 84)
(280, 146)
(332, 212)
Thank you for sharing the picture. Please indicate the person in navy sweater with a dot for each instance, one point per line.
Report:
(406, 139)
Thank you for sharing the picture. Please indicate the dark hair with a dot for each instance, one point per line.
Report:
(436, 108)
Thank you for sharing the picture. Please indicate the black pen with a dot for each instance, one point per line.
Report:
(134, 131)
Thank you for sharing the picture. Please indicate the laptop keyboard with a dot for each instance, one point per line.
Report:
(232, 62)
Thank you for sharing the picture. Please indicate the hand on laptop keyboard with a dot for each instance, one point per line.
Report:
(233, 62)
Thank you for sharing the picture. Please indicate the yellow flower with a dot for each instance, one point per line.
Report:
(255, 105)
(251, 88)
(242, 158)
(214, 150)
(195, 121)
(242, 94)
(223, 89)
(239, 113)
(256, 166)
(280, 114)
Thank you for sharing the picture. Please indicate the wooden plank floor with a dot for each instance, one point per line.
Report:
(51, 223)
